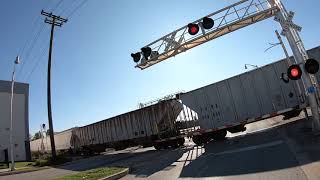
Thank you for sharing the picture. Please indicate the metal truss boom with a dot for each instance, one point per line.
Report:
(228, 19)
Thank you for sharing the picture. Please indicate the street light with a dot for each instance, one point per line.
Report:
(246, 66)
(17, 61)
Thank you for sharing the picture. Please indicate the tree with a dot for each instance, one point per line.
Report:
(37, 135)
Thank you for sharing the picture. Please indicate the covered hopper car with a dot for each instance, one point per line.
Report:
(205, 113)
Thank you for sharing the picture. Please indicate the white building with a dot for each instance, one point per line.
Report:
(20, 121)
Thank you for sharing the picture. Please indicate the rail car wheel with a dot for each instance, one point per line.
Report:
(198, 140)
(181, 141)
(165, 145)
(219, 135)
(158, 146)
(174, 143)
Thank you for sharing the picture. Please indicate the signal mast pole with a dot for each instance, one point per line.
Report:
(300, 55)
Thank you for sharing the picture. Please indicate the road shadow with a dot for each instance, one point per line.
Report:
(142, 164)
(258, 152)
(147, 163)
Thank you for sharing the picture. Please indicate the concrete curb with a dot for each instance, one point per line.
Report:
(116, 176)
(26, 170)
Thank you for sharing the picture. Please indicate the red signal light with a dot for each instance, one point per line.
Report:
(193, 29)
(294, 72)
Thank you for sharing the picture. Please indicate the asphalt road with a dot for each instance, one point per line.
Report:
(259, 153)
(261, 156)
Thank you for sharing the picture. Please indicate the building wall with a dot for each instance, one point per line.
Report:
(20, 121)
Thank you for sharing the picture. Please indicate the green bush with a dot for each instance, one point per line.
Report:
(41, 162)
(47, 161)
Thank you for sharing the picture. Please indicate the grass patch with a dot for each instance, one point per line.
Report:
(18, 164)
(47, 161)
(93, 174)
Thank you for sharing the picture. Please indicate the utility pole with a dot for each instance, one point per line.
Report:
(17, 61)
(54, 21)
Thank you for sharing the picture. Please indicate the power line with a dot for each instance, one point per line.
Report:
(37, 18)
(56, 6)
(21, 51)
(77, 8)
(36, 64)
(33, 42)
(67, 7)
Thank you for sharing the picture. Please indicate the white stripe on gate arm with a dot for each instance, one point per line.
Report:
(273, 143)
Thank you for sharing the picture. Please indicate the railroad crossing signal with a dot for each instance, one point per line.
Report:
(146, 52)
(207, 23)
(232, 18)
(294, 72)
(213, 25)
(193, 29)
(288, 23)
(136, 57)
(311, 66)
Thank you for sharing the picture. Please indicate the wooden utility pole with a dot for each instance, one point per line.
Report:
(54, 21)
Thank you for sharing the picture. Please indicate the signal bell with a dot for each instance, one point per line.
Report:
(294, 72)
(193, 29)
(311, 66)
(207, 23)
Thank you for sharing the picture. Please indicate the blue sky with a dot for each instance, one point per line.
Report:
(93, 75)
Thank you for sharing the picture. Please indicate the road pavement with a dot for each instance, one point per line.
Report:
(269, 149)
(263, 152)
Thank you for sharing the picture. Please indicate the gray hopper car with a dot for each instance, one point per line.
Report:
(232, 103)
(203, 114)
(63, 142)
(139, 127)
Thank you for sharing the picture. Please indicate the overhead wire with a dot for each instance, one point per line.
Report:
(30, 43)
(56, 6)
(77, 8)
(36, 19)
(38, 60)
(67, 7)
(22, 48)
(29, 50)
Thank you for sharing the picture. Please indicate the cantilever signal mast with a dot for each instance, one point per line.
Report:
(54, 21)
(224, 21)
